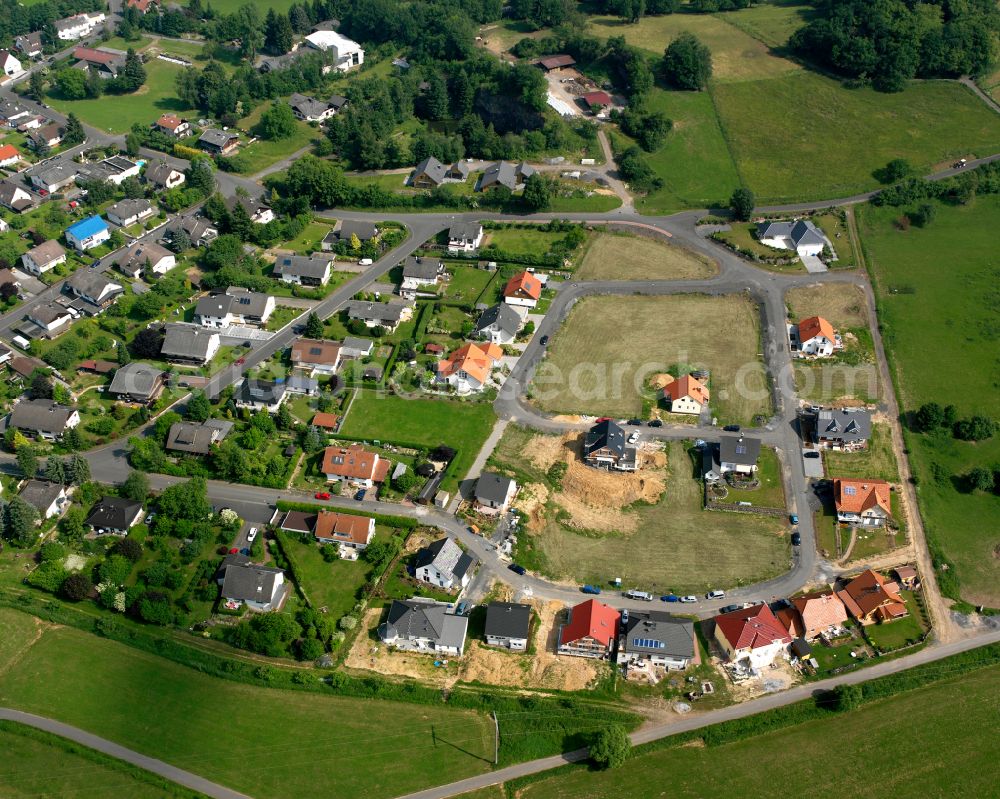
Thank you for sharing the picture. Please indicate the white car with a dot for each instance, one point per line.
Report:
(633, 438)
(251, 535)
(715, 595)
(689, 598)
(366, 262)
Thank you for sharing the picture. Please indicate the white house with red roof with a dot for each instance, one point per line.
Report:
(686, 395)
(590, 632)
(752, 636)
(354, 465)
(817, 338)
(524, 290)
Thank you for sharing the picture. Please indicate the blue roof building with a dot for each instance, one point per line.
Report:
(88, 233)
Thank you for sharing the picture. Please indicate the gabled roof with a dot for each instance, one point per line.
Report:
(315, 352)
(741, 450)
(819, 611)
(187, 341)
(752, 628)
(249, 583)
(499, 174)
(380, 312)
(40, 494)
(657, 633)
(605, 435)
(46, 252)
(413, 619)
(91, 283)
(87, 227)
(126, 209)
(365, 231)
(41, 414)
(252, 205)
(815, 326)
(136, 379)
(237, 301)
(114, 513)
(422, 268)
(493, 487)
(597, 98)
(220, 138)
(253, 390)
(344, 527)
(313, 266)
(507, 620)
(501, 316)
(557, 61)
(857, 496)
(9, 196)
(464, 231)
(8, 151)
(591, 619)
(138, 253)
(475, 360)
(432, 168)
(170, 122)
(160, 172)
(870, 591)
(687, 386)
(326, 421)
(447, 557)
(197, 438)
(523, 284)
(844, 424)
(354, 462)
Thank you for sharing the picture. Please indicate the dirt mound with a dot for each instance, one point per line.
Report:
(543, 451)
(531, 501)
(661, 380)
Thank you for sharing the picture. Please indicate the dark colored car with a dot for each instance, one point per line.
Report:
(461, 608)
(591, 589)
(732, 428)
(543, 340)
(360, 495)
(635, 422)
(517, 569)
(796, 539)
(811, 455)
(730, 608)
(656, 423)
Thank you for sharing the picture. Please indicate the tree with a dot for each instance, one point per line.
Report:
(309, 649)
(314, 326)
(199, 176)
(896, 170)
(981, 479)
(71, 84)
(284, 418)
(74, 133)
(741, 203)
(278, 122)
(975, 428)
(312, 440)
(186, 500)
(278, 35)
(198, 407)
(135, 487)
(180, 241)
(148, 342)
(847, 697)
(52, 551)
(133, 74)
(610, 748)
(27, 462)
(923, 215)
(19, 522)
(687, 63)
(929, 416)
(55, 470)
(128, 548)
(77, 586)
(115, 570)
(537, 195)
(36, 86)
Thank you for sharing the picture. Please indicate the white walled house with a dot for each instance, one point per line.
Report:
(128, 212)
(423, 625)
(10, 64)
(752, 637)
(78, 26)
(47, 255)
(802, 236)
(817, 337)
(465, 237)
(444, 564)
(346, 53)
(88, 233)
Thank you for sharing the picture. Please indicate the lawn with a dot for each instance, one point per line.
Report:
(463, 426)
(878, 461)
(263, 153)
(36, 764)
(118, 112)
(310, 239)
(522, 240)
(335, 586)
(771, 491)
(944, 748)
(831, 139)
(466, 283)
(601, 359)
(612, 256)
(771, 22)
(675, 546)
(933, 318)
(282, 315)
(275, 743)
(899, 633)
(842, 304)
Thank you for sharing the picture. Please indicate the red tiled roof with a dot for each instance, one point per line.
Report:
(557, 61)
(8, 151)
(870, 592)
(752, 628)
(169, 121)
(342, 527)
(474, 359)
(815, 326)
(597, 98)
(857, 496)
(686, 386)
(315, 352)
(327, 421)
(93, 56)
(354, 463)
(524, 285)
(819, 611)
(591, 619)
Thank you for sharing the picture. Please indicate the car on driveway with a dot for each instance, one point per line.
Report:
(796, 539)
(670, 598)
(656, 423)
(811, 455)
(359, 494)
(322, 495)
(233, 551)
(461, 608)
(251, 535)
(689, 598)
(517, 569)
(633, 438)
(591, 589)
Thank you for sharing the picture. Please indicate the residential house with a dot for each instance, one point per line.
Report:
(845, 429)
(302, 384)
(11, 112)
(172, 125)
(871, 598)
(604, 447)
(325, 421)
(128, 212)
(96, 367)
(115, 170)
(93, 290)
(801, 235)
(739, 454)
(423, 625)
(9, 155)
(193, 438)
(752, 637)
(352, 533)
(260, 212)
(508, 625)
(296, 521)
(143, 6)
(816, 337)
(309, 109)
(590, 631)
(316, 356)
(46, 136)
(114, 516)
(106, 64)
(523, 290)
(43, 418)
(199, 231)
(387, 315)
(302, 270)
(53, 177)
(9, 64)
(469, 367)
(459, 171)
(88, 233)
(49, 499)
(8, 276)
(656, 639)
(79, 26)
(811, 615)
(354, 348)
(499, 324)
(238, 306)
(30, 123)
(494, 493)
(429, 174)
(162, 175)
(553, 62)
(45, 256)
(137, 382)
(260, 395)
(260, 588)
(22, 368)
(189, 344)
(345, 230)
(862, 503)
(506, 175)
(686, 395)
(29, 44)
(443, 563)
(14, 197)
(345, 54)
(465, 237)
(354, 465)
(218, 142)
(421, 277)
(144, 258)
(48, 319)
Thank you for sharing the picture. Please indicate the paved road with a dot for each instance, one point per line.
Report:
(696, 722)
(84, 738)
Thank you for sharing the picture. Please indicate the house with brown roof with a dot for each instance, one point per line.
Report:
(468, 368)
(351, 533)
(752, 637)
(590, 631)
(907, 577)
(811, 615)
(354, 465)
(870, 598)
(552, 62)
(686, 395)
(317, 356)
(325, 421)
(862, 503)
(45, 256)
(524, 290)
(816, 337)
(172, 125)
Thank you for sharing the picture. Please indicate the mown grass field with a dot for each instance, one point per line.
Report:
(602, 357)
(842, 304)
(266, 743)
(335, 586)
(771, 22)
(878, 461)
(939, 306)
(611, 256)
(522, 240)
(944, 748)
(830, 139)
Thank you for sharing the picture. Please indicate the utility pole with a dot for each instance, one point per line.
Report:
(496, 747)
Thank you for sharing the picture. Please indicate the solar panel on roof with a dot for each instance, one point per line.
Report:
(741, 449)
(850, 490)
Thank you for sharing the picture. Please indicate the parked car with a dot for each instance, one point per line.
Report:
(365, 262)
(633, 438)
(730, 608)
(359, 494)
(251, 535)
(591, 589)
(322, 495)
(793, 518)
(543, 340)
(517, 569)
(689, 598)
(670, 598)
(635, 422)
(241, 361)
(715, 594)
(462, 607)
(811, 455)
(656, 423)
(245, 551)
(732, 428)
(642, 595)
(796, 539)
(233, 551)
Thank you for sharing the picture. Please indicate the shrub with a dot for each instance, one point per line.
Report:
(610, 748)
(77, 586)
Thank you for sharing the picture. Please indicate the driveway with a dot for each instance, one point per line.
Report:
(813, 264)
(812, 466)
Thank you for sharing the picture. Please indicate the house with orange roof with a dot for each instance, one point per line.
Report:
(811, 615)
(862, 503)
(752, 637)
(590, 631)
(351, 533)
(871, 598)
(817, 338)
(9, 155)
(173, 125)
(325, 421)
(354, 465)
(523, 290)
(468, 368)
(686, 394)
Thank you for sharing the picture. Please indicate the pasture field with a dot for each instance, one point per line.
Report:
(102, 686)
(771, 22)
(602, 357)
(944, 743)
(833, 140)
(612, 256)
(937, 290)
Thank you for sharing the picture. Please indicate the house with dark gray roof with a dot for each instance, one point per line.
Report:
(137, 382)
(508, 625)
(506, 174)
(163, 176)
(800, 235)
(445, 564)
(218, 142)
(193, 438)
(429, 174)
(43, 418)
(114, 516)
(15, 197)
(344, 230)
(604, 447)
(499, 323)
(423, 625)
(465, 237)
(95, 290)
(260, 212)
(303, 270)
(49, 499)
(238, 306)
(189, 344)
(144, 258)
(379, 314)
(494, 493)
(420, 277)
(843, 428)
(655, 638)
(260, 588)
(260, 395)
(739, 454)
(199, 231)
(129, 211)
(309, 109)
